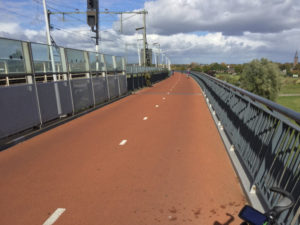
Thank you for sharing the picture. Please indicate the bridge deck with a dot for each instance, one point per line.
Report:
(173, 169)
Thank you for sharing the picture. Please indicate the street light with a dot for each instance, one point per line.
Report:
(138, 51)
(145, 42)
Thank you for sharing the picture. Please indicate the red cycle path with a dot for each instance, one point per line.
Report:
(173, 168)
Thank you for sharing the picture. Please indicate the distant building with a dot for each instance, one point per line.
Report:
(296, 59)
(231, 70)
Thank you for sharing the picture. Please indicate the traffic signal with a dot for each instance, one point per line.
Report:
(92, 13)
(92, 4)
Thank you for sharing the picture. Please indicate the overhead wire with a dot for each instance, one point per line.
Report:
(57, 10)
(51, 4)
(74, 33)
(62, 5)
(129, 17)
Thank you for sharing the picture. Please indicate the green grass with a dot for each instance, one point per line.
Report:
(232, 79)
(290, 86)
(292, 102)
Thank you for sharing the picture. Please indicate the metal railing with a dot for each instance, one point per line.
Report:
(266, 142)
(41, 83)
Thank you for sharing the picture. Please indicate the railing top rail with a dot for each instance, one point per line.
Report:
(271, 105)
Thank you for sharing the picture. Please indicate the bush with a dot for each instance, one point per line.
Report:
(262, 77)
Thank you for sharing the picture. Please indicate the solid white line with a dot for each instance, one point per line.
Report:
(156, 106)
(145, 118)
(123, 142)
(51, 220)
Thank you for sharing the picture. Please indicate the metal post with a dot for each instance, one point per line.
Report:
(6, 72)
(139, 54)
(145, 38)
(7, 81)
(116, 75)
(48, 38)
(97, 59)
(52, 59)
(106, 76)
(97, 26)
(126, 52)
(121, 25)
(88, 65)
(155, 59)
(34, 84)
(69, 79)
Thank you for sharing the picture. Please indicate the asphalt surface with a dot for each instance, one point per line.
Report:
(154, 157)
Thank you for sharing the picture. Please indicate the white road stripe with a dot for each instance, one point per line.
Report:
(145, 118)
(123, 142)
(164, 98)
(156, 106)
(51, 220)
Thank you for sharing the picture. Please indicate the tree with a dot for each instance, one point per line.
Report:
(262, 77)
(195, 67)
(206, 68)
(238, 68)
(287, 67)
(223, 66)
(215, 66)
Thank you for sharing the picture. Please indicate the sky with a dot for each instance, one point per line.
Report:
(201, 31)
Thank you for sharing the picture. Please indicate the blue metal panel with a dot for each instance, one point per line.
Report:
(19, 109)
(100, 89)
(65, 97)
(82, 94)
(48, 105)
(113, 86)
(123, 84)
(47, 99)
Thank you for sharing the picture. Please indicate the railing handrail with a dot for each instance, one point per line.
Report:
(263, 140)
(270, 104)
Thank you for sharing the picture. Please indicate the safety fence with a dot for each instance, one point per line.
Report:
(41, 83)
(263, 137)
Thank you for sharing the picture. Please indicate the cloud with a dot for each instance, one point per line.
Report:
(229, 17)
(170, 23)
(181, 48)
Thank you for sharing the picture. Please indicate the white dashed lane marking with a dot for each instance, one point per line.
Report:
(156, 106)
(123, 142)
(145, 118)
(51, 220)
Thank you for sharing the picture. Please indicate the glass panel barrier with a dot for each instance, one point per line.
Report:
(11, 57)
(76, 60)
(41, 55)
(119, 63)
(96, 63)
(109, 63)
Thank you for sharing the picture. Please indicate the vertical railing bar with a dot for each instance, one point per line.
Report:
(69, 77)
(35, 83)
(87, 56)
